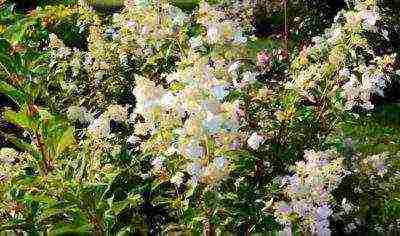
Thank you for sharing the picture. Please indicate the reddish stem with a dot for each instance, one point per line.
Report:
(40, 141)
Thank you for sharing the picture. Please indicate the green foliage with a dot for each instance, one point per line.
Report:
(374, 133)
(79, 159)
(106, 3)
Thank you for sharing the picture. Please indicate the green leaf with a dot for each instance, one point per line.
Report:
(168, 52)
(73, 230)
(106, 3)
(7, 63)
(135, 200)
(66, 140)
(4, 45)
(17, 96)
(117, 207)
(19, 118)
(22, 145)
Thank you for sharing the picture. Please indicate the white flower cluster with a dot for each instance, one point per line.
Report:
(334, 62)
(79, 113)
(366, 14)
(255, 140)
(100, 127)
(221, 27)
(373, 81)
(192, 119)
(61, 50)
(145, 28)
(309, 190)
(377, 164)
(12, 163)
(224, 34)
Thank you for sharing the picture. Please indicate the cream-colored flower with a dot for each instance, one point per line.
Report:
(255, 140)
(177, 179)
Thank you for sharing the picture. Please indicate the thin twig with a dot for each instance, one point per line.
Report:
(286, 25)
